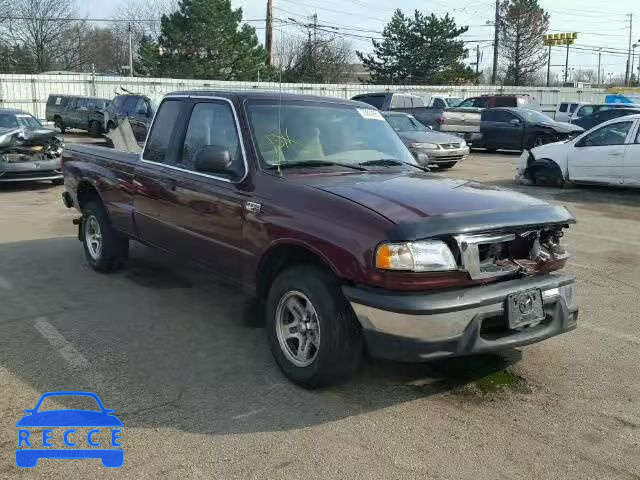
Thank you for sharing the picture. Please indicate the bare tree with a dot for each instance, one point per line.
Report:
(144, 18)
(318, 59)
(522, 25)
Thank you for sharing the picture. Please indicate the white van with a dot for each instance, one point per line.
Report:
(564, 110)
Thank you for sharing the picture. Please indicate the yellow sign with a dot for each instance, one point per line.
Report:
(555, 39)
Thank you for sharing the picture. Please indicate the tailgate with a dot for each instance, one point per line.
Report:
(461, 120)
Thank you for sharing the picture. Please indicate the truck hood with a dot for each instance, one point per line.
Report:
(563, 127)
(403, 198)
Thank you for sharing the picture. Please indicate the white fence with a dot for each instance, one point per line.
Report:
(30, 92)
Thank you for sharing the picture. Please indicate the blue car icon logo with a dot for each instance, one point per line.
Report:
(85, 432)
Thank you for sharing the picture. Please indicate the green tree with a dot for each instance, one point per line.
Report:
(204, 39)
(522, 26)
(420, 49)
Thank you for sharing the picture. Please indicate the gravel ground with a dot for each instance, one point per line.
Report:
(167, 347)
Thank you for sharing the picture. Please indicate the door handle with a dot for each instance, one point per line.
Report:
(615, 154)
(172, 185)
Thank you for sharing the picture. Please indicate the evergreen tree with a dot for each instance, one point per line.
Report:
(420, 49)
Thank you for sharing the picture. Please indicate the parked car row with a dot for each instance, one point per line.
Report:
(99, 115)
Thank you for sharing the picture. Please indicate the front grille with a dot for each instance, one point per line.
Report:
(449, 146)
(480, 252)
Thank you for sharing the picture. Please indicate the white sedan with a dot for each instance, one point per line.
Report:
(607, 154)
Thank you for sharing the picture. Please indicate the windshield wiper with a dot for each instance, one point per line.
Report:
(316, 163)
(389, 162)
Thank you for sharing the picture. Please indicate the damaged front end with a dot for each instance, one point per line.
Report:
(29, 155)
(19, 143)
(524, 252)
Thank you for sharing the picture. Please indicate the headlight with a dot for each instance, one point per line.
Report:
(422, 256)
(431, 146)
(463, 144)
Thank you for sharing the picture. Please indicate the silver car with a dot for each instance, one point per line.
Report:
(430, 148)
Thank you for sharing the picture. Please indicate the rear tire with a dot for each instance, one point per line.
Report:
(57, 122)
(106, 249)
(306, 295)
(95, 130)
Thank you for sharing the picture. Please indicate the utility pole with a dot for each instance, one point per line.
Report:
(477, 60)
(599, 61)
(315, 27)
(627, 73)
(496, 31)
(566, 64)
(549, 67)
(130, 51)
(268, 36)
(633, 60)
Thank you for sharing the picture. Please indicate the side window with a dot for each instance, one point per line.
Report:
(439, 103)
(142, 107)
(507, 102)
(481, 103)
(212, 124)
(129, 105)
(572, 107)
(81, 103)
(158, 142)
(504, 117)
(563, 107)
(612, 134)
(488, 116)
(638, 135)
(117, 102)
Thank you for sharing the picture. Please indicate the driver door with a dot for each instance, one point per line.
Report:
(598, 156)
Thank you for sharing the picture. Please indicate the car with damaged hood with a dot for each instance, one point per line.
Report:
(315, 207)
(430, 148)
(28, 151)
(608, 154)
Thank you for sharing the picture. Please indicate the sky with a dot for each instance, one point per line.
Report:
(600, 24)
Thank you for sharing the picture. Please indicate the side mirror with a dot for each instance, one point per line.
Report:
(514, 121)
(212, 159)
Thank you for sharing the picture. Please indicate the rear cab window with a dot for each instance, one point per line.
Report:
(373, 100)
(161, 132)
(563, 107)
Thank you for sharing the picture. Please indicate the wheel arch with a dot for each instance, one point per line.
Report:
(87, 191)
(284, 254)
(544, 164)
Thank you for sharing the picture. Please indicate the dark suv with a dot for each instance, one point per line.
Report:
(139, 109)
(83, 113)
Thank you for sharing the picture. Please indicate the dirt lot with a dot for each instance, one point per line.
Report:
(192, 380)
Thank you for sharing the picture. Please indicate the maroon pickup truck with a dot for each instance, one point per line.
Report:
(315, 206)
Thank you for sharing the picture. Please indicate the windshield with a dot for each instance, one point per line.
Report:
(8, 120)
(28, 121)
(453, 102)
(532, 116)
(296, 132)
(405, 123)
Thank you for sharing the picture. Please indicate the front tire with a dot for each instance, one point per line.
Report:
(312, 330)
(548, 176)
(106, 250)
(57, 122)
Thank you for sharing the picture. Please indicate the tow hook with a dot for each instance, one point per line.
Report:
(80, 222)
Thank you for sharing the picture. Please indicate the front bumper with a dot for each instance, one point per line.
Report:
(415, 327)
(26, 171)
(438, 156)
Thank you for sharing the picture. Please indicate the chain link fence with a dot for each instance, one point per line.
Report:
(30, 92)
